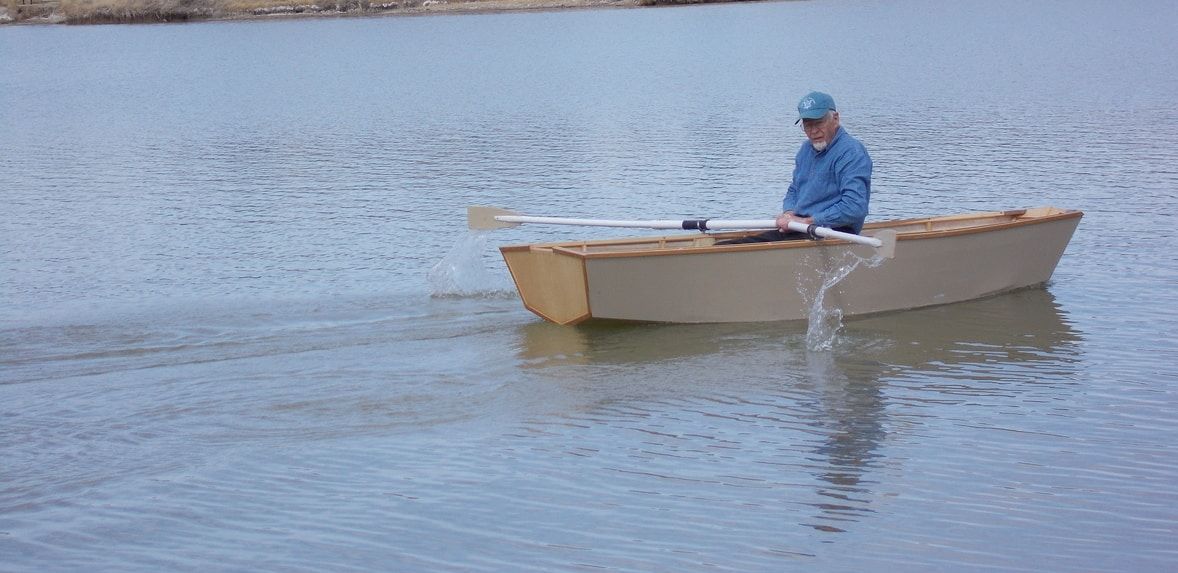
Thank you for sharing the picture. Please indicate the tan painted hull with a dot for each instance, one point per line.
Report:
(688, 278)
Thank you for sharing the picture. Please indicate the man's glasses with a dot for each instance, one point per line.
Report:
(808, 124)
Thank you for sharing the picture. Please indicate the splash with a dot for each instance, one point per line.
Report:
(463, 271)
(825, 323)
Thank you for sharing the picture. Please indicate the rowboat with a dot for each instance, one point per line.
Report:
(690, 278)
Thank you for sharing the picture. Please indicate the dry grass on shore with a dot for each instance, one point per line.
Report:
(126, 11)
(111, 11)
(171, 11)
(103, 11)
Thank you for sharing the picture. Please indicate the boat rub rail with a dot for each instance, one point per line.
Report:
(906, 230)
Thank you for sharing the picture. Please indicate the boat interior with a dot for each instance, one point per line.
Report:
(906, 229)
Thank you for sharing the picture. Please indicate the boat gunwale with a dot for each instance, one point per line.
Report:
(578, 249)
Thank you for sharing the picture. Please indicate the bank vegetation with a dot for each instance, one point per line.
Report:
(139, 11)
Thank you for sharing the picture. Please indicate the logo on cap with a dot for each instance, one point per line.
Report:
(807, 103)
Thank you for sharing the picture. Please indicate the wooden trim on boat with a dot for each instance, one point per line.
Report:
(906, 229)
(1049, 215)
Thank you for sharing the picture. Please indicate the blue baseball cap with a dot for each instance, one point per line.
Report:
(814, 106)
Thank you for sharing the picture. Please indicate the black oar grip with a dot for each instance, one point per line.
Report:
(695, 224)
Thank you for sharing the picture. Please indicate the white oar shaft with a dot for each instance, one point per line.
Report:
(701, 224)
(833, 234)
(651, 224)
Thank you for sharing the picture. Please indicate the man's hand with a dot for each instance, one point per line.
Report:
(784, 219)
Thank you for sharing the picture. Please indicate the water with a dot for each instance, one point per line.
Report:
(824, 320)
(243, 326)
(464, 270)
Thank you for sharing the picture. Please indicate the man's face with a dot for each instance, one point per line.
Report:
(821, 131)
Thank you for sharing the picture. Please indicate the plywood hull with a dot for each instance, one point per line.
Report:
(690, 279)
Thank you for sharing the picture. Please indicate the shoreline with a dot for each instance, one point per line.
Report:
(91, 12)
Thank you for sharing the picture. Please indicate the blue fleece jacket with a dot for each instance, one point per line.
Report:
(832, 186)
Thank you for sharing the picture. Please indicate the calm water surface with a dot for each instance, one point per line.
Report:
(243, 327)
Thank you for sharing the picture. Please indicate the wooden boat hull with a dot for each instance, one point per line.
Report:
(689, 278)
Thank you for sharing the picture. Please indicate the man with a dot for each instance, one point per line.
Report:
(831, 179)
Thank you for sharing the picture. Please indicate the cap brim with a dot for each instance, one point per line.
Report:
(812, 114)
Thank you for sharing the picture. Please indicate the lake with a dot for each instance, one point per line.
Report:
(244, 327)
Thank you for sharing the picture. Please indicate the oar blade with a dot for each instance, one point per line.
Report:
(888, 237)
(483, 218)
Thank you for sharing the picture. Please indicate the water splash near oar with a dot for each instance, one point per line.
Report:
(823, 323)
(463, 271)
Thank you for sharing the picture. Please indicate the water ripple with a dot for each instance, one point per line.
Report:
(222, 346)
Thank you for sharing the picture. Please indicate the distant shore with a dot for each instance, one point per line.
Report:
(153, 11)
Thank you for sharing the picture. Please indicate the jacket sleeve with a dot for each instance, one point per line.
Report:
(790, 202)
(853, 171)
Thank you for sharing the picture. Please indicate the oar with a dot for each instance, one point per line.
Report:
(483, 218)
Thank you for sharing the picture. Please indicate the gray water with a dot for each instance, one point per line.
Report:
(243, 326)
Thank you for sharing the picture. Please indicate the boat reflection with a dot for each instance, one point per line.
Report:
(1025, 325)
(836, 401)
(1000, 346)
(969, 348)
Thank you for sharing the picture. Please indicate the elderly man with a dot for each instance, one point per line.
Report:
(831, 179)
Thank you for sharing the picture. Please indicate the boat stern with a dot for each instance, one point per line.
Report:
(550, 281)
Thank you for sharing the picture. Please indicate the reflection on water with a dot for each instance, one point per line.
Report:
(1023, 326)
(993, 345)
(838, 401)
(219, 348)
(852, 421)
